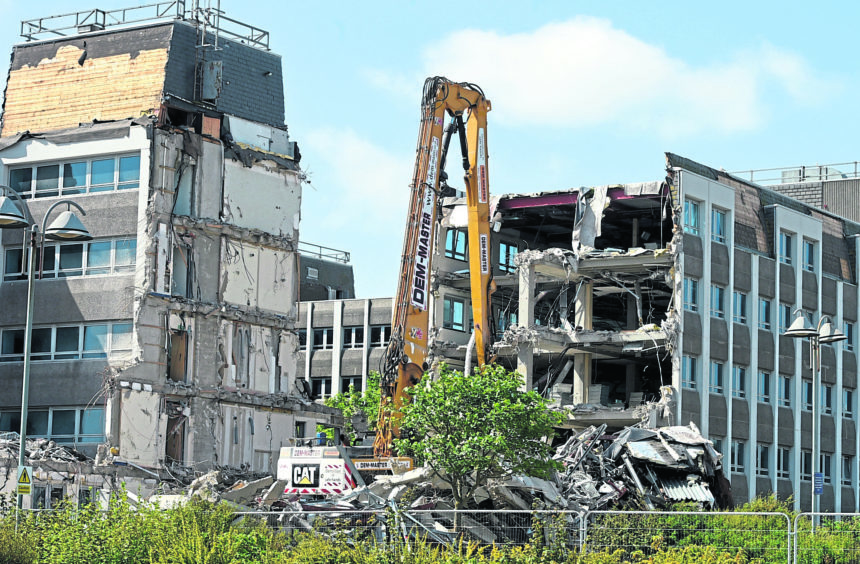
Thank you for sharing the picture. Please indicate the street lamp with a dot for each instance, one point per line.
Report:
(824, 333)
(15, 214)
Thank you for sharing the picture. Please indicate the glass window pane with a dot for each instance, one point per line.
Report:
(10, 421)
(41, 341)
(63, 422)
(102, 173)
(13, 264)
(37, 423)
(98, 257)
(21, 179)
(48, 180)
(74, 178)
(92, 421)
(13, 342)
(121, 337)
(125, 251)
(129, 171)
(48, 263)
(71, 259)
(67, 339)
(95, 341)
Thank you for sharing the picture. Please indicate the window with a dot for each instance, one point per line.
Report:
(62, 260)
(718, 294)
(808, 255)
(718, 225)
(353, 337)
(313, 273)
(691, 294)
(507, 254)
(380, 335)
(783, 462)
(454, 314)
(739, 382)
(68, 342)
(303, 337)
(784, 317)
(354, 381)
(824, 460)
(455, 244)
(764, 387)
(764, 314)
(762, 467)
(62, 425)
(300, 429)
(738, 457)
(716, 386)
(785, 250)
(827, 400)
(323, 339)
(718, 444)
(847, 469)
(849, 333)
(848, 403)
(506, 319)
(689, 372)
(806, 465)
(691, 217)
(807, 395)
(739, 308)
(76, 177)
(320, 387)
(784, 391)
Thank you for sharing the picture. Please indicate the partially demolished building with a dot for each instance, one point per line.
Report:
(663, 301)
(169, 338)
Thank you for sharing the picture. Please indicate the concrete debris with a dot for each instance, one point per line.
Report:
(39, 450)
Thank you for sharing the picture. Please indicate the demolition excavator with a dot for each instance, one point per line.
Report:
(447, 108)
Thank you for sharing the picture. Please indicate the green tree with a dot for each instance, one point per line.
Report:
(353, 402)
(469, 429)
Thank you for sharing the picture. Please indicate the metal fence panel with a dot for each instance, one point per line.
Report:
(762, 537)
(831, 538)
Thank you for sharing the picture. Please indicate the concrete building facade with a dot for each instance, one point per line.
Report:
(168, 341)
(663, 300)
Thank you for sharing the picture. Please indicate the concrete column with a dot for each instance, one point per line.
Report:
(583, 317)
(526, 318)
(365, 346)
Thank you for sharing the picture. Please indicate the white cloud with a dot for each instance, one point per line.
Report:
(585, 72)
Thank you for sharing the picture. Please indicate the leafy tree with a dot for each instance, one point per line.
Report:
(353, 402)
(469, 429)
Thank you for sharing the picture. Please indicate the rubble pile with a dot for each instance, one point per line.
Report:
(640, 468)
(39, 450)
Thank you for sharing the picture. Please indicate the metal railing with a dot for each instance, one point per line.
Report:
(826, 537)
(212, 20)
(810, 538)
(321, 252)
(803, 173)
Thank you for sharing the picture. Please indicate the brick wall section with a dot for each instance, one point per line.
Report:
(59, 93)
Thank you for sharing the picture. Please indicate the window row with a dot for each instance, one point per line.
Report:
(740, 310)
(456, 247)
(71, 342)
(784, 462)
(764, 390)
(353, 337)
(719, 234)
(63, 260)
(102, 174)
(719, 221)
(62, 425)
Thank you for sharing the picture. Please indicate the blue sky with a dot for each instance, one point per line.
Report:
(583, 93)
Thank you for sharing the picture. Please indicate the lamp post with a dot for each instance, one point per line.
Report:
(67, 227)
(824, 333)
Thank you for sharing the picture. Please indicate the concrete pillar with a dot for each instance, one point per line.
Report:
(337, 346)
(526, 318)
(583, 317)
